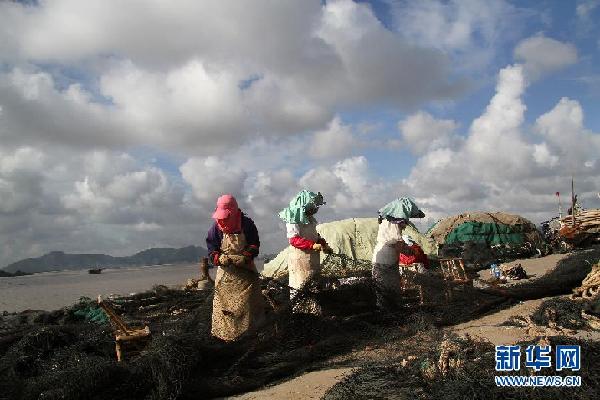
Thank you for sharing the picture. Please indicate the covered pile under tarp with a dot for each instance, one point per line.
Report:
(485, 227)
(481, 238)
(353, 237)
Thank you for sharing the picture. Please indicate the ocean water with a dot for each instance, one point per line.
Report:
(54, 290)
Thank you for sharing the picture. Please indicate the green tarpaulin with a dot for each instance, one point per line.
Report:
(354, 237)
(484, 232)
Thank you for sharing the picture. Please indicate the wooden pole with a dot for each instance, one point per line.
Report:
(572, 203)
(113, 317)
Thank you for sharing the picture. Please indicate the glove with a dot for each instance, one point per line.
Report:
(238, 261)
(224, 259)
(317, 247)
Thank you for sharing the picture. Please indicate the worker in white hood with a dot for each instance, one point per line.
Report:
(393, 218)
(306, 244)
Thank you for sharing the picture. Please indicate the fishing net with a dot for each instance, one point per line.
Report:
(458, 368)
(481, 255)
(560, 312)
(65, 354)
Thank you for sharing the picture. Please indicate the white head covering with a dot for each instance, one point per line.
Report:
(408, 240)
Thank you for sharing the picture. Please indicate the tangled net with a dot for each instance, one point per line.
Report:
(69, 354)
(481, 255)
(457, 368)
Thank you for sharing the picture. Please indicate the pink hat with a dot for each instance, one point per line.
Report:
(226, 204)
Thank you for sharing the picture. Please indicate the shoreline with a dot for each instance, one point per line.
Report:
(49, 291)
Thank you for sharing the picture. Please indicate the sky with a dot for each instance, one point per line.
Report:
(122, 122)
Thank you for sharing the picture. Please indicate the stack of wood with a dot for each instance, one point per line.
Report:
(583, 225)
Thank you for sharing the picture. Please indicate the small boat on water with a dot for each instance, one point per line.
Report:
(95, 271)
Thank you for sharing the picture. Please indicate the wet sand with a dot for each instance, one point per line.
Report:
(311, 385)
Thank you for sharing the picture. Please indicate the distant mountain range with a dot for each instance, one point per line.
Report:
(59, 260)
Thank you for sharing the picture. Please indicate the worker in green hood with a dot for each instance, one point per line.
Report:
(393, 218)
(301, 227)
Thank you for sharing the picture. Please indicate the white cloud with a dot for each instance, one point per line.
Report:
(422, 132)
(499, 168)
(146, 227)
(212, 176)
(88, 202)
(562, 129)
(543, 156)
(35, 112)
(585, 8)
(201, 87)
(468, 30)
(186, 106)
(542, 55)
(349, 187)
(361, 42)
(20, 180)
(88, 88)
(87, 198)
(495, 135)
(336, 141)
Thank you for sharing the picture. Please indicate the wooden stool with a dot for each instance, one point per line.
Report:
(406, 283)
(128, 341)
(454, 273)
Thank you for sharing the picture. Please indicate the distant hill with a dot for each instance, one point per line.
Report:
(59, 260)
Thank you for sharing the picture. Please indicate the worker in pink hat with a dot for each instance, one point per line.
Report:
(233, 243)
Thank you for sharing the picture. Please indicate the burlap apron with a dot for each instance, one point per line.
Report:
(303, 264)
(238, 305)
(385, 265)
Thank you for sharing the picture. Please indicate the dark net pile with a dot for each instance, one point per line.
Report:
(69, 353)
(560, 312)
(456, 368)
(481, 255)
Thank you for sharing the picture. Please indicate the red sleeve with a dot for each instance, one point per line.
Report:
(215, 257)
(418, 256)
(421, 256)
(406, 259)
(301, 243)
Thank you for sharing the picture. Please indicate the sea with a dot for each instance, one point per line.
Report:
(54, 290)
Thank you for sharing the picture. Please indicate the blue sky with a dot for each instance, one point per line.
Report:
(118, 130)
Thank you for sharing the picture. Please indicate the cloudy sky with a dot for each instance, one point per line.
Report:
(122, 122)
